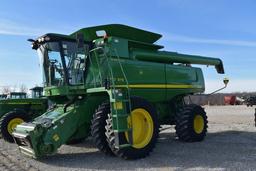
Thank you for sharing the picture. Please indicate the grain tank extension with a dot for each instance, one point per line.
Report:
(114, 81)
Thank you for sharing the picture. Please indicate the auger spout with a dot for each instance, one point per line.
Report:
(173, 57)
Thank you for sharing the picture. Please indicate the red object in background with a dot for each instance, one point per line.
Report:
(230, 100)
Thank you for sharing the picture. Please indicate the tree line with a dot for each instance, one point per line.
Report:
(20, 88)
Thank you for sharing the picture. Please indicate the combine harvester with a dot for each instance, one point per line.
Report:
(16, 108)
(114, 81)
(3, 96)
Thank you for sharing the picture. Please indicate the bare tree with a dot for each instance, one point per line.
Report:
(14, 88)
(6, 89)
(23, 88)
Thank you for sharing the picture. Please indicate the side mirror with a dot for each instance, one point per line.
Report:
(31, 40)
(226, 81)
(80, 40)
(34, 45)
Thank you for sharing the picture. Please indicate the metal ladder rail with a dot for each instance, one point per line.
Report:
(114, 87)
(122, 69)
(128, 93)
(111, 76)
(90, 59)
(125, 77)
(111, 71)
(97, 61)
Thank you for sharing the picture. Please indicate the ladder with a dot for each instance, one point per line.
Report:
(120, 101)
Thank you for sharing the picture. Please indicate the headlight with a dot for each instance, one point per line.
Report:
(47, 38)
(41, 39)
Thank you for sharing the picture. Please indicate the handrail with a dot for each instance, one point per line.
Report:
(90, 59)
(130, 136)
(97, 61)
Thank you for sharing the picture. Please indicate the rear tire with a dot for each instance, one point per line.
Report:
(191, 123)
(9, 121)
(98, 128)
(142, 145)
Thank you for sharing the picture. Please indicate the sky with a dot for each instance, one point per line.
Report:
(221, 28)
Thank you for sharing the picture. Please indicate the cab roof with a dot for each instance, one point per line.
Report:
(37, 88)
(18, 93)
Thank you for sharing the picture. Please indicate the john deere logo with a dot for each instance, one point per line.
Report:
(55, 137)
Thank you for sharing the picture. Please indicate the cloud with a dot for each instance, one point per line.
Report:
(8, 27)
(180, 38)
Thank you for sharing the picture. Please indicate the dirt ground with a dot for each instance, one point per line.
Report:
(230, 145)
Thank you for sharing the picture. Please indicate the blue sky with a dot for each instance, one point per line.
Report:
(220, 28)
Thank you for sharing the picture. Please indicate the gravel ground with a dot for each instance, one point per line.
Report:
(229, 145)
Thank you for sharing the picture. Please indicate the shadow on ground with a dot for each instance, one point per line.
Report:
(229, 150)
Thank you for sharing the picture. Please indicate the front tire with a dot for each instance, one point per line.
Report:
(145, 131)
(9, 122)
(98, 124)
(191, 123)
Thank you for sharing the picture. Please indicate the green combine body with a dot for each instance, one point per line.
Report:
(5, 101)
(114, 81)
(17, 108)
(19, 100)
(3, 96)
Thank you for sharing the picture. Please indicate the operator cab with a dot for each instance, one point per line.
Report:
(17, 95)
(37, 92)
(63, 59)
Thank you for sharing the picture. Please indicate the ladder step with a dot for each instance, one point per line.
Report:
(119, 100)
(124, 145)
(120, 115)
(122, 130)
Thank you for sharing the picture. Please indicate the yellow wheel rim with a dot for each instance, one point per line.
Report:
(142, 128)
(198, 124)
(13, 123)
